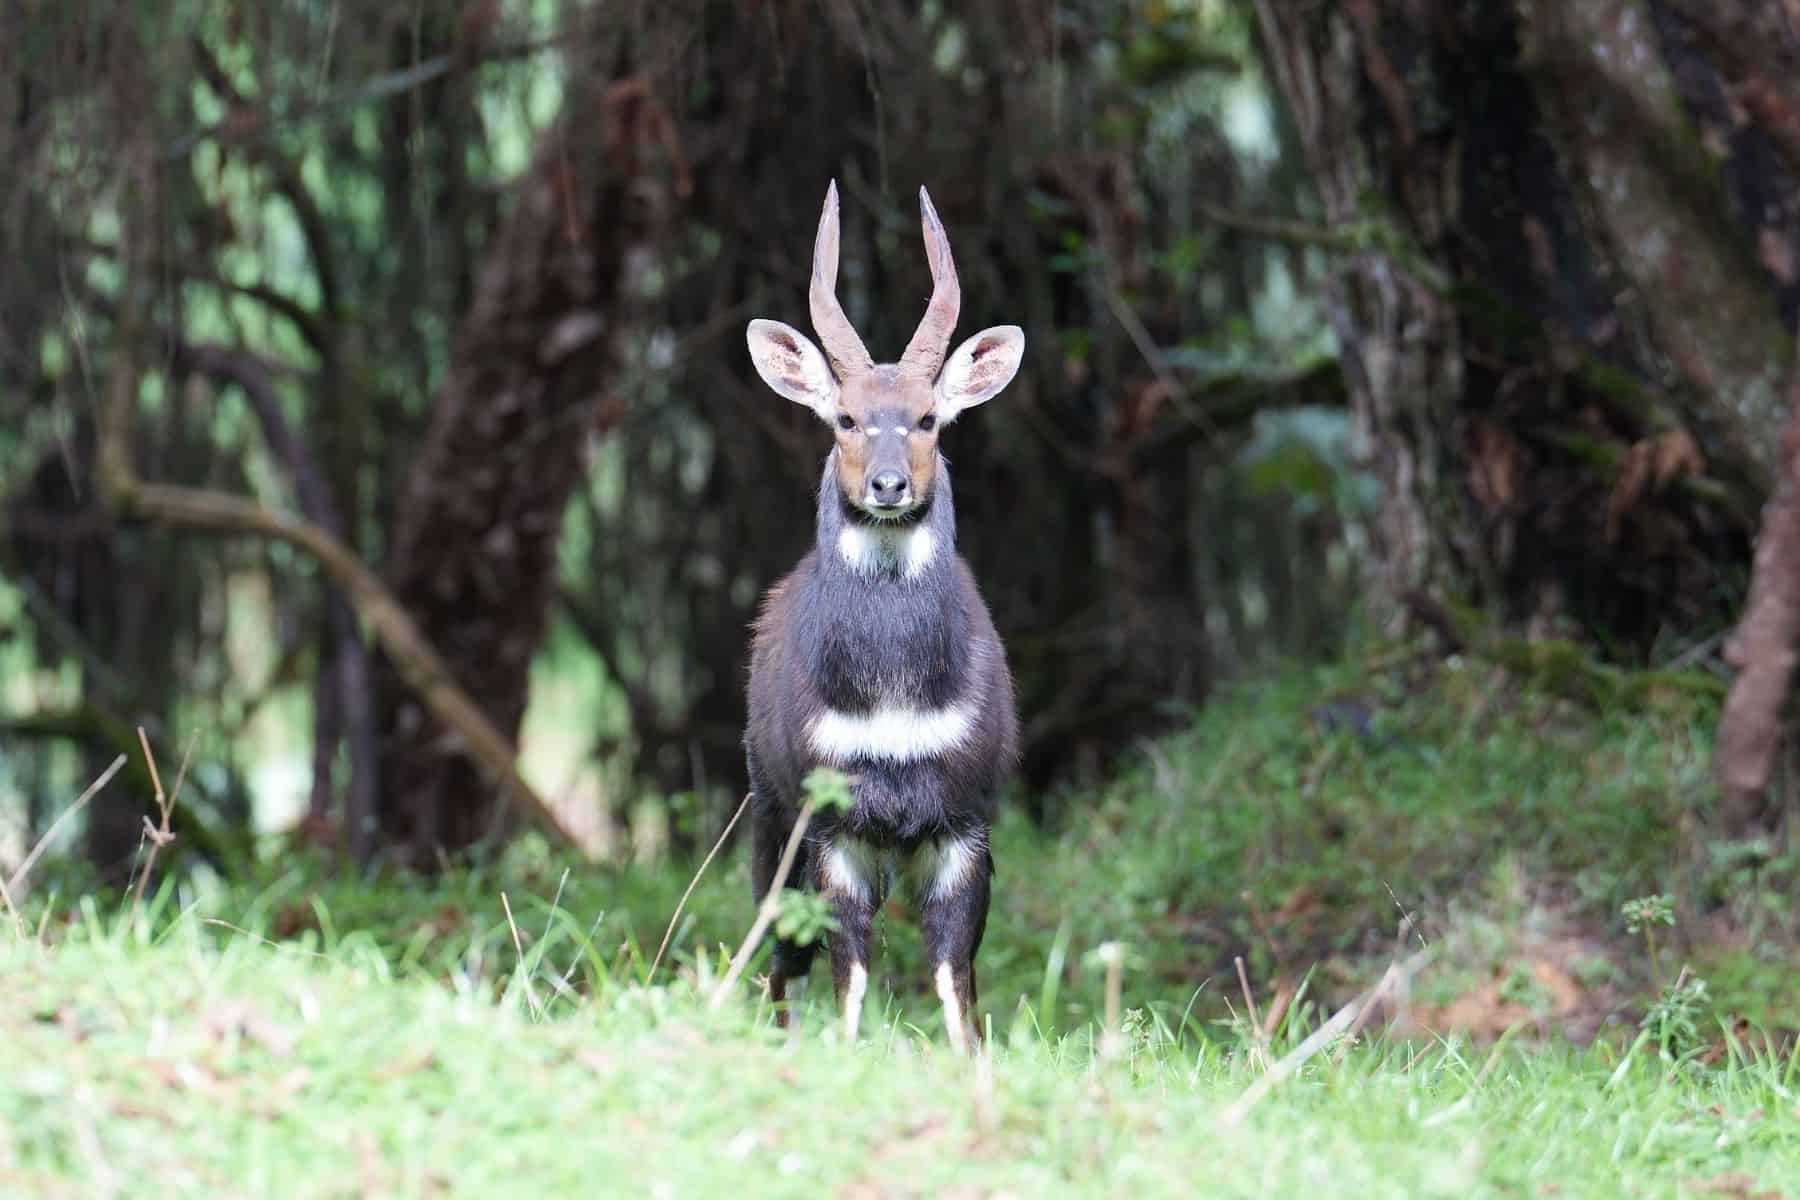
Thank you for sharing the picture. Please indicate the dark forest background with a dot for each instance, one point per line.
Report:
(373, 396)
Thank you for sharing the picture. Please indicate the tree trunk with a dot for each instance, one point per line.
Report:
(1397, 335)
(473, 555)
(1560, 344)
(1764, 648)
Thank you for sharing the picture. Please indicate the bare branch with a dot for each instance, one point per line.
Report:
(416, 660)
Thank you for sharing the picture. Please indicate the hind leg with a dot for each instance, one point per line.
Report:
(769, 833)
(953, 910)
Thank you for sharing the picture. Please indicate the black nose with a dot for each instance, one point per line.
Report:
(889, 487)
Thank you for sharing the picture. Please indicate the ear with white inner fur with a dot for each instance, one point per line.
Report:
(789, 362)
(978, 369)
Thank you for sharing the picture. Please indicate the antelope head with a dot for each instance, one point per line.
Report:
(886, 415)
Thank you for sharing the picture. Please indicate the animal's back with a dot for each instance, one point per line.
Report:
(778, 689)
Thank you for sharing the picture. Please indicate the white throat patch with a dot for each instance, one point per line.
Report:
(906, 549)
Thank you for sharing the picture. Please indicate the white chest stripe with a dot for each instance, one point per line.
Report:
(894, 734)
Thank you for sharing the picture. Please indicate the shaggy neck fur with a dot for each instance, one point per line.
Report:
(882, 619)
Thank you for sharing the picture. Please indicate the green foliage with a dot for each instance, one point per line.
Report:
(1646, 911)
(805, 917)
(1674, 1020)
(827, 790)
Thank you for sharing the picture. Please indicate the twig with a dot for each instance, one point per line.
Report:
(6, 898)
(1282, 229)
(1321, 1037)
(18, 876)
(682, 903)
(1285, 990)
(767, 911)
(159, 836)
(1244, 984)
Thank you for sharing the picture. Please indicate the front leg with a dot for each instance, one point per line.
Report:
(849, 875)
(953, 908)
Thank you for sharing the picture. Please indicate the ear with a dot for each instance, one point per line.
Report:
(789, 362)
(978, 369)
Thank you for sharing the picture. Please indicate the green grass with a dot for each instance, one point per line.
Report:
(196, 1066)
(301, 1034)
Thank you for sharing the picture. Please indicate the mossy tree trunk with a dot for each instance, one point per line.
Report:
(1562, 310)
(473, 552)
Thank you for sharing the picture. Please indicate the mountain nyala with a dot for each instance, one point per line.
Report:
(876, 655)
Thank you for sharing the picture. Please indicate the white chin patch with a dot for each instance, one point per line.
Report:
(892, 733)
(904, 550)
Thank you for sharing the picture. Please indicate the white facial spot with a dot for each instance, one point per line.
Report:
(946, 865)
(892, 732)
(900, 429)
(874, 432)
(854, 991)
(953, 1014)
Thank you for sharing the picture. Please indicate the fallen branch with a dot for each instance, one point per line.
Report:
(414, 658)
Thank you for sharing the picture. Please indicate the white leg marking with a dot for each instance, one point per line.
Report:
(853, 998)
(852, 868)
(891, 732)
(953, 1015)
(947, 864)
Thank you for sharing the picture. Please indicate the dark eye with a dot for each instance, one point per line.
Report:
(928, 422)
(846, 422)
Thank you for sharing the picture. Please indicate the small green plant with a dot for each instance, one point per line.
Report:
(1673, 1019)
(1643, 915)
(805, 917)
(827, 790)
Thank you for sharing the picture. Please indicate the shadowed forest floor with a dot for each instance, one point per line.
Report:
(308, 1036)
